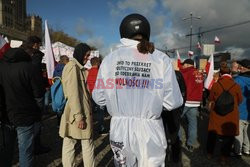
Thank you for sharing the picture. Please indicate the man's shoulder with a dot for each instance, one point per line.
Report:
(69, 66)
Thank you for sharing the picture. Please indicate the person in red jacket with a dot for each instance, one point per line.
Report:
(91, 79)
(194, 87)
(92, 73)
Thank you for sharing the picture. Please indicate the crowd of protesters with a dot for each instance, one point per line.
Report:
(145, 121)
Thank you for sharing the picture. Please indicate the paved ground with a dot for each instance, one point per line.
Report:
(104, 154)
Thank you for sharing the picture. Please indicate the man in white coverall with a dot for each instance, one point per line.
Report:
(135, 82)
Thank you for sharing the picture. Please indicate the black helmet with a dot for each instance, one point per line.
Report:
(135, 24)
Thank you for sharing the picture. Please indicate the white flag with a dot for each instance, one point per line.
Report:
(216, 39)
(210, 77)
(4, 46)
(49, 55)
(190, 53)
(178, 60)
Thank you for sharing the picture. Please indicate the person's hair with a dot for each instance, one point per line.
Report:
(28, 44)
(63, 57)
(80, 52)
(224, 69)
(95, 61)
(145, 46)
(31, 40)
(27, 49)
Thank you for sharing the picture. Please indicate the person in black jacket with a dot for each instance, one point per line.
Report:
(20, 88)
(172, 121)
(32, 44)
(7, 134)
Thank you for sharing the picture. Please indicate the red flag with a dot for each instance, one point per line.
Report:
(4, 46)
(210, 77)
(216, 39)
(199, 46)
(49, 55)
(190, 53)
(179, 65)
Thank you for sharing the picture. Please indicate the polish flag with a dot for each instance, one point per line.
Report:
(190, 53)
(49, 55)
(4, 46)
(199, 46)
(216, 39)
(210, 73)
(179, 65)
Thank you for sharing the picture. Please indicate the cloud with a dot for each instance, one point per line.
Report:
(238, 53)
(169, 30)
(214, 14)
(98, 42)
(143, 6)
(148, 8)
(82, 29)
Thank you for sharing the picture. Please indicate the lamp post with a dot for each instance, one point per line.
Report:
(191, 27)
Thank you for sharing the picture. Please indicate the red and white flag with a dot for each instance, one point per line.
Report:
(179, 65)
(4, 46)
(210, 73)
(190, 53)
(199, 46)
(49, 55)
(216, 39)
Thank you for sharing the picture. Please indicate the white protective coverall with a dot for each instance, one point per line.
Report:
(135, 87)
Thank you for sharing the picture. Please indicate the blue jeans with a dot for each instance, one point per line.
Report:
(25, 136)
(191, 114)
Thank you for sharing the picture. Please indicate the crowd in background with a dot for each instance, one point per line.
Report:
(25, 97)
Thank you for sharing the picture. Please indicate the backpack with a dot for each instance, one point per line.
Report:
(224, 104)
(57, 96)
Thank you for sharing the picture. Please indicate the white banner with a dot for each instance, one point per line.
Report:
(208, 49)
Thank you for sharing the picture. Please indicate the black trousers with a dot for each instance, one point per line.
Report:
(7, 144)
(171, 122)
(226, 143)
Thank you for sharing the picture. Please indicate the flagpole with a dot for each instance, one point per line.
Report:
(199, 40)
(191, 27)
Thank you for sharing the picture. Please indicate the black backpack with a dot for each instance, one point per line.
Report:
(224, 104)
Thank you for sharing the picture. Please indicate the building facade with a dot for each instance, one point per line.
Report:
(14, 22)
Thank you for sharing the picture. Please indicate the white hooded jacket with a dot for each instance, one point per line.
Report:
(135, 87)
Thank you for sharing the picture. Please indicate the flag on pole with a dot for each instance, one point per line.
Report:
(49, 55)
(4, 46)
(190, 53)
(179, 65)
(216, 39)
(210, 73)
(199, 46)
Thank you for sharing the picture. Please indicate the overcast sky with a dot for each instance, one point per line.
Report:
(97, 21)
